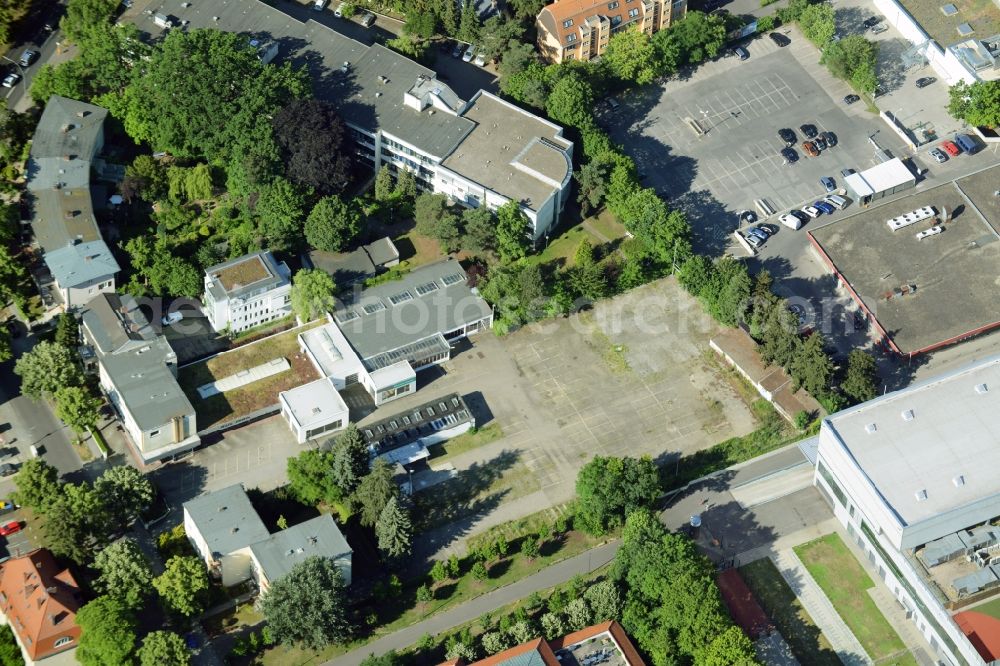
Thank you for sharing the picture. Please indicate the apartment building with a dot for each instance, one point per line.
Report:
(401, 116)
(580, 29)
(247, 291)
(911, 476)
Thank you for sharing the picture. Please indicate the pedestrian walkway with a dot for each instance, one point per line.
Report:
(819, 608)
(549, 577)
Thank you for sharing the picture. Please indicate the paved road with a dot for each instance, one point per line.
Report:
(544, 579)
(32, 36)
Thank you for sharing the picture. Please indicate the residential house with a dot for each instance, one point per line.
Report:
(39, 601)
(581, 29)
(68, 137)
(138, 372)
(230, 537)
(600, 643)
(247, 291)
(401, 116)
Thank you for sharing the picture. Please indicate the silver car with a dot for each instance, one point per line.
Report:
(469, 52)
(938, 156)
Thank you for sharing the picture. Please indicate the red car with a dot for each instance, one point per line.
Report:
(950, 148)
(10, 528)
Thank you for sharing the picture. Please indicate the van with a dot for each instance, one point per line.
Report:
(319, 5)
(763, 207)
(837, 201)
(162, 21)
(966, 143)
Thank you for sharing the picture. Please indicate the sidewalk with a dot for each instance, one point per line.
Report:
(544, 579)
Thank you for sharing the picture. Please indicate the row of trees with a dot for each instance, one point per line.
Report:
(502, 233)
(343, 475)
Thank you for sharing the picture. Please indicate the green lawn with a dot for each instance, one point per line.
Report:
(846, 584)
(606, 225)
(562, 248)
(465, 442)
(807, 642)
(991, 608)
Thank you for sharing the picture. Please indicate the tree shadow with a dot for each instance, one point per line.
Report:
(498, 569)
(890, 68)
(850, 20)
(712, 222)
(460, 497)
(180, 481)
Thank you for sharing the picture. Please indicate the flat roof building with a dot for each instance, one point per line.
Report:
(911, 475)
(365, 262)
(399, 113)
(881, 180)
(247, 291)
(314, 409)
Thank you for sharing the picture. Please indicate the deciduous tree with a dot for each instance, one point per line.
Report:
(183, 586)
(632, 57)
(480, 230)
(314, 143)
(77, 408)
(126, 492)
(512, 229)
(435, 219)
(608, 489)
(332, 224)
(47, 368)
(78, 523)
(164, 648)
(281, 214)
(108, 633)
(308, 606)
(310, 477)
(312, 293)
(977, 103)
(125, 572)
(37, 485)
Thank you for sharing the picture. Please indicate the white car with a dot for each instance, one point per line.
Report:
(933, 231)
(172, 318)
(790, 221)
(469, 52)
(480, 60)
(812, 211)
(11, 80)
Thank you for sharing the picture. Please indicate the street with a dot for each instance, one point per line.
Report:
(32, 36)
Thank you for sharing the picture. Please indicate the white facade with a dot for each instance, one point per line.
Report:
(910, 468)
(314, 409)
(247, 292)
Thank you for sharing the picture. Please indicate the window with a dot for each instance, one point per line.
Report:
(346, 316)
(615, 20)
(154, 433)
(424, 289)
(570, 39)
(401, 297)
(454, 278)
(372, 308)
(64, 640)
(825, 473)
(568, 23)
(613, 5)
(632, 13)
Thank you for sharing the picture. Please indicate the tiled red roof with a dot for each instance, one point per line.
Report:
(40, 601)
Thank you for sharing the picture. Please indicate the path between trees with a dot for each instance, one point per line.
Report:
(544, 579)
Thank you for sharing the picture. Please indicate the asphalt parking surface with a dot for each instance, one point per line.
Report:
(741, 105)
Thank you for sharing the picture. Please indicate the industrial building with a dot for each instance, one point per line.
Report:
(912, 476)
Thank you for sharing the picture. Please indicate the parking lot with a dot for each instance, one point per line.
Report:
(741, 106)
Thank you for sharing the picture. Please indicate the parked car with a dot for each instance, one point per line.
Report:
(847, 172)
(790, 155)
(933, 231)
(790, 221)
(795, 212)
(767, 229)
(779, 39)
(28, 57)
(810, 149)
(613, 104)
(938, 156)
(879, 29)
(830, 138)
(788, 136)
(469, 52)
(828, 183)
(812, 211)
(10, 528)
(458, 50)
(741, 53)
(480, 60)
(808, 130)
(11, 80)
(748, 217)
(925, 81)
(871, 21)
(171, 318)
(368, 19)
(7, 469)
(824, 206)
(757, 233)
(754, 241)
(851, 99)
(950, 148)
(820, 143)
(6, 506)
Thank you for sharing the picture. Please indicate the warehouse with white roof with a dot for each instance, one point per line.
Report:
(913, 477)
(880, 181)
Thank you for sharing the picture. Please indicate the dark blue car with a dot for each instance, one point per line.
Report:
(825, 207)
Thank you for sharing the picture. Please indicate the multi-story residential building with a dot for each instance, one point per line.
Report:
(912, 476)
(580, 29)
(38, 601)
(401, 116)
(138, 372)
(69, 136)
(230, 537)
(247, 291)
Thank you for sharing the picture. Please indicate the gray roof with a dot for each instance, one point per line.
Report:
(940, 437)
(283, 550)
(81, 263)
(402, 428)
(226, 520)
(382, 251)
(512, 152)
(365, 101)
(135, 357)
(345, 269)
(429, 301)
(249, 274)
(942, 550)
(63, 147)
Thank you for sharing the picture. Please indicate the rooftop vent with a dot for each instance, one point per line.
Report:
(222, 508)
(959, 481)
(949, 9)
(908, 415)
(965, 30)
(383, 79)
(234, 530)
(921, 495)
(870, 428)
(981, 389)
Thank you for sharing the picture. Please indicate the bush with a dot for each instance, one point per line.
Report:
(802, 419)
(767, 23)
